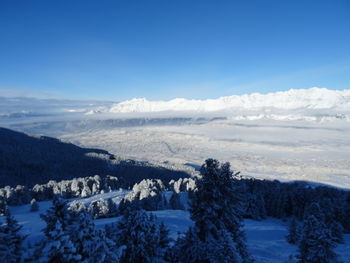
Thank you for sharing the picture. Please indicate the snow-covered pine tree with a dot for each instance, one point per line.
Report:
(105, 250)
(56, 247)
(91, 244)
(337, 232)
(3, 206)
(222, 250)
(189, 249)
(86, 190)
(254, 207)
(293, 232)
(77, 206)
(164, 238)
(216, 206)
(34, 205)
(316, 245)
(314, 209)
(112, 208)
(140, 237)
(57, 212)
(10, 241)
(175, 202)
(103, 208)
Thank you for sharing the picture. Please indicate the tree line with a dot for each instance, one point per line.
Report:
(218, 200)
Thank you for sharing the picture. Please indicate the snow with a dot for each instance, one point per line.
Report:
(314, 98)
(266, 239)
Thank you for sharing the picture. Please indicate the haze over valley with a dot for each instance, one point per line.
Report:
(292, 135)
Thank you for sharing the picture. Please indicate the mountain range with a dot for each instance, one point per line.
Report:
(313, 98)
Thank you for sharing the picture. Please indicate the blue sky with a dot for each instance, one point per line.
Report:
(118, 50)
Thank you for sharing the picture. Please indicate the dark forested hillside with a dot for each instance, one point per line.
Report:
(29, 160)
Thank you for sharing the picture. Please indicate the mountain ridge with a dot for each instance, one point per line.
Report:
(313, 98)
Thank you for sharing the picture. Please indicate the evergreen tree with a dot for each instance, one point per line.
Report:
(140, 237)
(164, 238)
(314, 209)
(91, 244)
(112, 208)
(10, 241)
(175, 202)
(104, 250)
(190, 248)
(56, 247)
(216, 206)
(57, 212)
(316, 245)
(254, 207)
(337, 231)
(222, 250)
(34, 205)
(293, 232)
(103, 208)
(76, 207)
(3, 206)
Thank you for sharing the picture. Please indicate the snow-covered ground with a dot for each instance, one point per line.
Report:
(266, 238)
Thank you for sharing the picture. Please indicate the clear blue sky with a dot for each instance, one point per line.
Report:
(118, 50)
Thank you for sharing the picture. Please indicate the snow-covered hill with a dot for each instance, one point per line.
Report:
(313, 98)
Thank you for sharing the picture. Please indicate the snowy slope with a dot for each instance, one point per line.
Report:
(313, 98)
(266, 239)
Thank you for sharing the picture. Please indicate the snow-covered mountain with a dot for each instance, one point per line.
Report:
(313, 98)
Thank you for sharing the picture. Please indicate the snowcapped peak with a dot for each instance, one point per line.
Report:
(313, 98)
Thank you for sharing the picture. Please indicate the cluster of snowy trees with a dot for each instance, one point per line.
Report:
(77, 187)
(218, 200)
(287, 200)
(148, 195)
(71, 236)
(260, 198)
(153, 194)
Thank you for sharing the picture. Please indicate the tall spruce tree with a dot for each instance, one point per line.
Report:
(57, 212)
(337, 232)
(10, 241)
(216, 207)
(190, 249)
(34, 206)
(91, 244)
(140, 238)
(104, 250)
(3, 206)
(293, 232)
(56, 247)
(316, 245)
